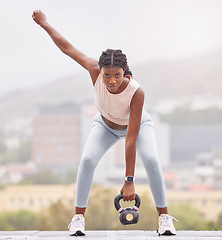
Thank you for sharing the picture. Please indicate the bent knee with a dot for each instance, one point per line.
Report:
(151, 161)
(88, 162)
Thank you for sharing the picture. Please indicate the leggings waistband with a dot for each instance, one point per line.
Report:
(145, 119)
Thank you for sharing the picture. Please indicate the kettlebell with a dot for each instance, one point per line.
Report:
(127, 215)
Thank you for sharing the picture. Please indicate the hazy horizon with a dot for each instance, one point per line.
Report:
(146, 30)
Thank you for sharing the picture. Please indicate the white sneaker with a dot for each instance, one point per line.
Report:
(77, 226)
(166, 226)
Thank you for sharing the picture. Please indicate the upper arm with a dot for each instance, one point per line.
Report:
(135, 116)
(88, 63)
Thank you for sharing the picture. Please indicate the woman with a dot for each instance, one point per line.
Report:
(119, 99)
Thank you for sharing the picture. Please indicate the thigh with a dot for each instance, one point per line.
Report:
(146, 140)
(100, 139)
(146, 144)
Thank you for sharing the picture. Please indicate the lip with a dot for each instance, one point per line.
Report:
(112, 88)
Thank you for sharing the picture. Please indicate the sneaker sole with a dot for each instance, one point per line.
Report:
(167, 233)
(77, 233)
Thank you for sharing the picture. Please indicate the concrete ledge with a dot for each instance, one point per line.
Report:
(109, 235)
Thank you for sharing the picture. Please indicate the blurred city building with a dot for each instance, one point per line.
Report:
(13, 173)
(60, 132)
(33, 197)
(56, 137)
(37, 197)
(209, 169)
(186, 142)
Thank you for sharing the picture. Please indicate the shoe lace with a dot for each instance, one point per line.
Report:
(167, 220)
(76, 221)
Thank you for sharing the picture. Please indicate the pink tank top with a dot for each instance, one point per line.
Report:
(114, 107)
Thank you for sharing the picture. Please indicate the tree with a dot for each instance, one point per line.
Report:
(184, 115)
(19, 220)
(107, 218)
(45, 177)
(102, 215)
(219, 222)
(3, 148)
(70, 177)
(189, 218)
(22, 154)
(55, 218)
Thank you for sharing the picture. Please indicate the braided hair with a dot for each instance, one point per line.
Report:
(114, 58)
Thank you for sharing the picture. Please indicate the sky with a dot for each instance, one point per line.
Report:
(146, 30)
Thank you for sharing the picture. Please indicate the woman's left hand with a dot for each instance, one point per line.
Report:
(128, 191)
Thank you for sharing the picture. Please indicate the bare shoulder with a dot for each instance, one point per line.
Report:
(138, 98)
(139, 92)
(94, 72)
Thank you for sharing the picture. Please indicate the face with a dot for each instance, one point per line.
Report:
(112, 78)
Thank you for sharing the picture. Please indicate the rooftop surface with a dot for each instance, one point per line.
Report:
(110, 235)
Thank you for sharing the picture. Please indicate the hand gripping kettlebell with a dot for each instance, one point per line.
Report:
(127, 215)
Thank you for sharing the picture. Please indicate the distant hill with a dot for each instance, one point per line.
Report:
(176, 79)
(166, 79)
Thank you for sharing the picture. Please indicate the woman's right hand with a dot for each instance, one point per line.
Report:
(39, 17)
(128, 191)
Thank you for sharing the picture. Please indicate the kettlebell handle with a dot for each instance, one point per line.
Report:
(120, 196)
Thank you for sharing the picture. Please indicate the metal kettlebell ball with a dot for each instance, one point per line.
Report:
(127, 215)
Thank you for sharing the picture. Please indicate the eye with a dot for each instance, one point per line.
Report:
(117, 75)
(106, 75)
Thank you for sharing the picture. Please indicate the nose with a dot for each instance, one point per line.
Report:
(112, 81)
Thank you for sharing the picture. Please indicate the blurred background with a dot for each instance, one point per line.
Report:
(174, 50)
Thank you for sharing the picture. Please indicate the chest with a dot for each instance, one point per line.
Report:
(113, 104)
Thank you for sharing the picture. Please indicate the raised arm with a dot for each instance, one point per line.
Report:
(66, 47)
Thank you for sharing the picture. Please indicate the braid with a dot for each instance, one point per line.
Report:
(111, 58)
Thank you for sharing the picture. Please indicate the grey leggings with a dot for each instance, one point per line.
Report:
(100, 139)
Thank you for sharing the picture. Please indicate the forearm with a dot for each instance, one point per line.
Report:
(58, 39)
(89, 64)
(130, 155)
(128, 189)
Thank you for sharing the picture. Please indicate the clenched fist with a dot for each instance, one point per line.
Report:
(39, 17)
